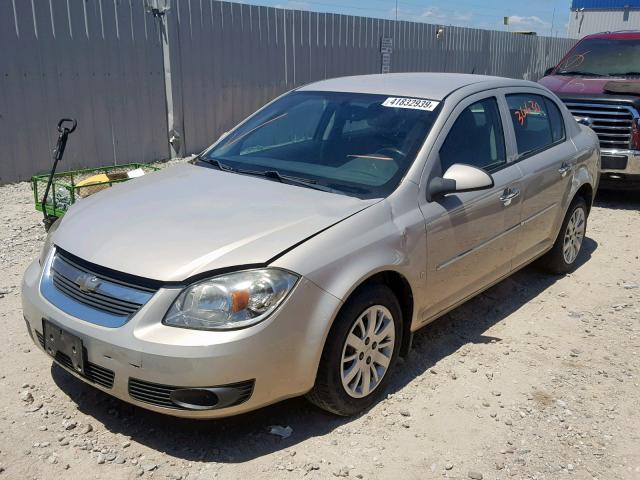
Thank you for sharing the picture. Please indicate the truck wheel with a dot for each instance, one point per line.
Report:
(566, 249)
(360, 353)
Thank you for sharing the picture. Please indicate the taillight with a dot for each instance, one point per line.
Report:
(635, 134)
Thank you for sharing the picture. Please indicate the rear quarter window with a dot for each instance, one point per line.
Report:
(537, 122)
(556, 120)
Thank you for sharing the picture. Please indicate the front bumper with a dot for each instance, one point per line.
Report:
(273, 360)
(620, 169)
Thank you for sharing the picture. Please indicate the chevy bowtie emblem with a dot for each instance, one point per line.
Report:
(88, 283)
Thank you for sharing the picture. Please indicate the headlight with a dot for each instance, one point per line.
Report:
(230, 301)
(48, 242)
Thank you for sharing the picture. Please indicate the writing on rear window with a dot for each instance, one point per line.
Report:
(414, 103)
(528, 108)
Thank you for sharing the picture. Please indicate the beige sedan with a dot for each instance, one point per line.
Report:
(301, 251)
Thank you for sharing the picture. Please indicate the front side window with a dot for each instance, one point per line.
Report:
(536, 125)
(602, 57)
(357, 144)
(476, 138)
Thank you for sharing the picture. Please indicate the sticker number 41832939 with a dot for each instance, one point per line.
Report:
(414, 103)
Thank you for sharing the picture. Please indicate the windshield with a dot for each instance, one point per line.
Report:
(356, 144)
(603, 57)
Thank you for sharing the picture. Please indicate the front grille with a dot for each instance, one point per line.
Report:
(100, 375)
(92, 372)
(95, 290)
(160, 395)
(612, 122)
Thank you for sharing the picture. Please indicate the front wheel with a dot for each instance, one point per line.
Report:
(360, 352)
(567, 247)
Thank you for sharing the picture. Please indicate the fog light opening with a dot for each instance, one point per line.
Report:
(195, 398)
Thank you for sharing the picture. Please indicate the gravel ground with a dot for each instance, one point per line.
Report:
(536, 378)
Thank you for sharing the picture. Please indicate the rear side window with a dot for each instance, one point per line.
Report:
(476, 138)
(537, 122)
(557, 122)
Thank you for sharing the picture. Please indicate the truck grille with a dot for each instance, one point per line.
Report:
(612, 123)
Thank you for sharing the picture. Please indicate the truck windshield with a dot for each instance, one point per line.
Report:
(603, 57)
(352, 143)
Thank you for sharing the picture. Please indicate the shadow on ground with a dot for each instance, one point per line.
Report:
(618, 199)
(245, 437)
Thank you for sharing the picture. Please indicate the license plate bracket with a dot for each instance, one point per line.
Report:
(58, 341)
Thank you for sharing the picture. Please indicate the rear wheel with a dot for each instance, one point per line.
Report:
(567, 247)
(360, 352)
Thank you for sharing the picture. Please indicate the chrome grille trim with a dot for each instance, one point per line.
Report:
(110, 279)
(611, 122)
(89, 295)
(96, 299)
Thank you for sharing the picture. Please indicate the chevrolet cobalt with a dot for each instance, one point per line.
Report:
(298, 254)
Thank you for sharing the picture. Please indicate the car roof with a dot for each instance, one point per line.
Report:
(434, 86)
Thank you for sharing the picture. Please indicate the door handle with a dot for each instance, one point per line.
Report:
(508, 195)
(564, 169)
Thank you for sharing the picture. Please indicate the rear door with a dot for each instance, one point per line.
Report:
(471, 236)
(547, 159)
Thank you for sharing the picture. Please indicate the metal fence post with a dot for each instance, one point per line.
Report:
(159, 10)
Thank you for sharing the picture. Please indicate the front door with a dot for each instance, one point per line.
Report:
(471, 236)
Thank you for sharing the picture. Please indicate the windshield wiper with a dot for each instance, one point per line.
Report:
(216, 163)
(625, 74)
(274, 174)
(584, 74)
(300, 181)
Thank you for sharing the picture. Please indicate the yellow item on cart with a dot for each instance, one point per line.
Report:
(100, 181)
(99, 178)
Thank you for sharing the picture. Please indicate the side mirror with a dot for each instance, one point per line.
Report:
(548, 71)
(459, 178)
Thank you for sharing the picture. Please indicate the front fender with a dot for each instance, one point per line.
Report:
(389, 236)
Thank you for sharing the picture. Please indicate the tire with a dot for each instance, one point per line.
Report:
(555, 260)
(329, 392)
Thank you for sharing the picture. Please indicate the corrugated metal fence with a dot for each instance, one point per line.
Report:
(101, 61)
(235, 57)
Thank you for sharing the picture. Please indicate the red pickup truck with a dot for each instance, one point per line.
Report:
(599, 81)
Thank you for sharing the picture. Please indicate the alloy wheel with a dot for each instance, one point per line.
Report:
(367, 351)
(573, 236)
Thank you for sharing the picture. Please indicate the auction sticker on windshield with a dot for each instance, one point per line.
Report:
(414, 103)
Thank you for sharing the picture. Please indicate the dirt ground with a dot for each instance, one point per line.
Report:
(538, 378)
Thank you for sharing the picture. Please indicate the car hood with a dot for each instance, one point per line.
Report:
(186, 220)
(560, 84)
